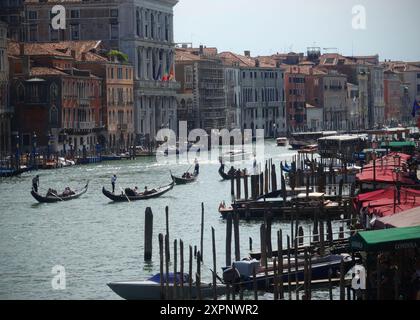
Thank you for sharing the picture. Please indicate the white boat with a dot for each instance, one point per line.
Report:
(150, 289)
(282, 142)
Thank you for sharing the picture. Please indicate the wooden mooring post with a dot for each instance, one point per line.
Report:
(175, 287)
(168, 296)
(198, 281)
(190, 273)
(213, 241)
(181, 266)
(162, 287)
(148, 234)
(236, 235)
(202, 232)
(229, 239)
(280, 261)
(167, 233)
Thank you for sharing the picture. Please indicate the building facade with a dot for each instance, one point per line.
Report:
(5, 109)
(295, 97)
(393, 98)
(117, 109)
(335, 101)
(232, 90)
(57, 106)
(142, 29)
(146, 35)
(202, 76)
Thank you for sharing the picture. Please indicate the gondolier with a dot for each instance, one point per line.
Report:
(113, 180)
(196, 167)
(35, 183)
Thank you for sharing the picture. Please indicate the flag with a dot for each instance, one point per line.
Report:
(416, 106)
(172, 73)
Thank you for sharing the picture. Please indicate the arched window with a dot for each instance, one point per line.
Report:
(138, 22)
(53, 92)
(53, 115)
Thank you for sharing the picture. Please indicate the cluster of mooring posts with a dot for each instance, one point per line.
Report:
(285, 270)
(305, 188)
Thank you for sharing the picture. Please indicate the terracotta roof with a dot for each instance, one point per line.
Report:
(183, 55)
(45, 71)
(230, 58)
(35, 49)
(58, 49)
(400, 66)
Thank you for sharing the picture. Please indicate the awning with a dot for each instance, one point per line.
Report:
(409, 218)
(386, 240)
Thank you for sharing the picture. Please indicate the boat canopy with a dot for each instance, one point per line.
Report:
(386, 240)
(171, 277)
(409, 218)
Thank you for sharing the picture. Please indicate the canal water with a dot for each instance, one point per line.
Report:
(97, 241)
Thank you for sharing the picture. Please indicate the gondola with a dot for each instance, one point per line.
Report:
(59, 198)
(179, 180)
(226, 176)
(123, 197)
(7, 172)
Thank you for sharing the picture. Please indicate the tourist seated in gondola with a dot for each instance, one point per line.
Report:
(51, 192)
(146, 191)
(67, 192)
(231, 171)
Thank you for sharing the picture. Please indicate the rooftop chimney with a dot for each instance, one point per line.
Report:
(83, 56)
(247, 53)
(73, 54)
(257, 63)
(201, 49)
(26, 65)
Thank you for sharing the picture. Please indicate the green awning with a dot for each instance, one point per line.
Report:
(386, 240)
(399, 144)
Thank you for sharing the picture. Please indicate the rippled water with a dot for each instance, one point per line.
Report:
(97, 241)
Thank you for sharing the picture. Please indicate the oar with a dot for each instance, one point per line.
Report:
(56, 196)
(125, 194)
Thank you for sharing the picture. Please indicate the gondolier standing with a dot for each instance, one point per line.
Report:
(196, 167)
(113, 180)
(35, 183)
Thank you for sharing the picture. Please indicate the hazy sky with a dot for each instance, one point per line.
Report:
(270, 26)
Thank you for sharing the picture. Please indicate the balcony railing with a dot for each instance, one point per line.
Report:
(152, 84)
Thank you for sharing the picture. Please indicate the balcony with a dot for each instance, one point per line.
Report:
(122, 127)
(152, 84)
(86, 125)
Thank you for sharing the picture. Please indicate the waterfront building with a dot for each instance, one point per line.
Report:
(142, 29)
(262, 93)
(56, 105)
(393, 98)
(201, 76)
(6, 111)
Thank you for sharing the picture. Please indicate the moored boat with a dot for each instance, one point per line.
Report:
(131, 196)
(229, 176)
(52, 196)
(150, 289)
(282, 142)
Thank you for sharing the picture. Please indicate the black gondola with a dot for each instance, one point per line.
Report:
(51, 198)
(141, 196)
(179, 180)
(227, 176)
(5, 172)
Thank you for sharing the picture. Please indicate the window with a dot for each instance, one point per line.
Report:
(75, 31)
(2, 61)
(32, 15)
(75, 14)
(243, 75)
(418, 89)
(112, 73)
(33, 33)
(114, 31)
(188, 76)
(113, 13)
(119, 73)
(138, 23)
(418, 75)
